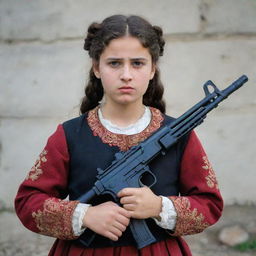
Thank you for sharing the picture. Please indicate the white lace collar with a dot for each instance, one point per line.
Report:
(135, 128)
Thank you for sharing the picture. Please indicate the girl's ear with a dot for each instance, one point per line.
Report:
(95, 67)
(153, 71)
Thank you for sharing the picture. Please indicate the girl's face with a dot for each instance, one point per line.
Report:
(125, 68)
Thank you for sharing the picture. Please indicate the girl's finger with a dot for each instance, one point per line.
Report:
(124, 212)
(129, 207)
(111, 236)
(127, 199)
(123, 220)
(115, 231)
(119, 226)
(127, 192)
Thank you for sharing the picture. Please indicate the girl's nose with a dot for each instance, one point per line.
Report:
(126, 74)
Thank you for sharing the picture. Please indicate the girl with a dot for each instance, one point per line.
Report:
(122, 106)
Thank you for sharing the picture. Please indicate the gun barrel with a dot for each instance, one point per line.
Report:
(235, 85)
(195, 115)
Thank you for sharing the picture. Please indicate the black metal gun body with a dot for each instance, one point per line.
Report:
(129, 168)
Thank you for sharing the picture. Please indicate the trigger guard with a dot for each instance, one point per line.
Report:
(141, 184)
(144, 185)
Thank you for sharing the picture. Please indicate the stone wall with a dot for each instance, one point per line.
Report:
(44, 68)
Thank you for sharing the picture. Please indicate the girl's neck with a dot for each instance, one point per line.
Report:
(122, 115)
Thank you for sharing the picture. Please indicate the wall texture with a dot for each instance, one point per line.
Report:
(43, 70)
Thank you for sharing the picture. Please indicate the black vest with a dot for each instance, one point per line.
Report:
(88, 152)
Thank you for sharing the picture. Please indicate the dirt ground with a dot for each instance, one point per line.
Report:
(15, 240)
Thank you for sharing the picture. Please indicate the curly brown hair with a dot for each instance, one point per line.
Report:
(99, 36)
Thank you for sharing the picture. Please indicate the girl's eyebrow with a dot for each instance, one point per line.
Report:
(139, 59)
(114, 58)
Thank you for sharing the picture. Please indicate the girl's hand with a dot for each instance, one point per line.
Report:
(142, 203)
(107, 219)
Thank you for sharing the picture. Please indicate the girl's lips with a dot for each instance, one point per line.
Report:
(126, 89)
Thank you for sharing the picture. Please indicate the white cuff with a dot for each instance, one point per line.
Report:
(77, 219)
(168, 214)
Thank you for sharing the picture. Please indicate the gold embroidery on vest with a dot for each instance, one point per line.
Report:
(36, 170)
(56, 218)
(210, 178)
(124, 142)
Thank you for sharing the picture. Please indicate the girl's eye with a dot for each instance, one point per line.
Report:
(138, 64)
(114, 64)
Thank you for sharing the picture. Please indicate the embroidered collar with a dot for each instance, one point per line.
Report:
(124, 142)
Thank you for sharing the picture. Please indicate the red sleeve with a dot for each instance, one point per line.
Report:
(40, 203)
(200, 203)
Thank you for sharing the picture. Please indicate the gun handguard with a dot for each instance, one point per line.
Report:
(128, 167)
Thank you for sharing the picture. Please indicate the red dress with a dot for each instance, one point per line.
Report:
(41, 205)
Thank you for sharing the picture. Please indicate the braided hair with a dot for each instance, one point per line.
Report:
(99, 36)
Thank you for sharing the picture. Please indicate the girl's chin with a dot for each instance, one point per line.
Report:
(127, 100)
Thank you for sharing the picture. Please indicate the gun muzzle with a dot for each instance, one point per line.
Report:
(235, 85)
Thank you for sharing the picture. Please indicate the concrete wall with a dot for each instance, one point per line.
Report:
(43, 70)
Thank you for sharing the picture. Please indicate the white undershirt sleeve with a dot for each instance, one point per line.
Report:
(77, 218)
(168, 215)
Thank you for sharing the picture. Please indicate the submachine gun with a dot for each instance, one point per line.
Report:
(129, 167)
